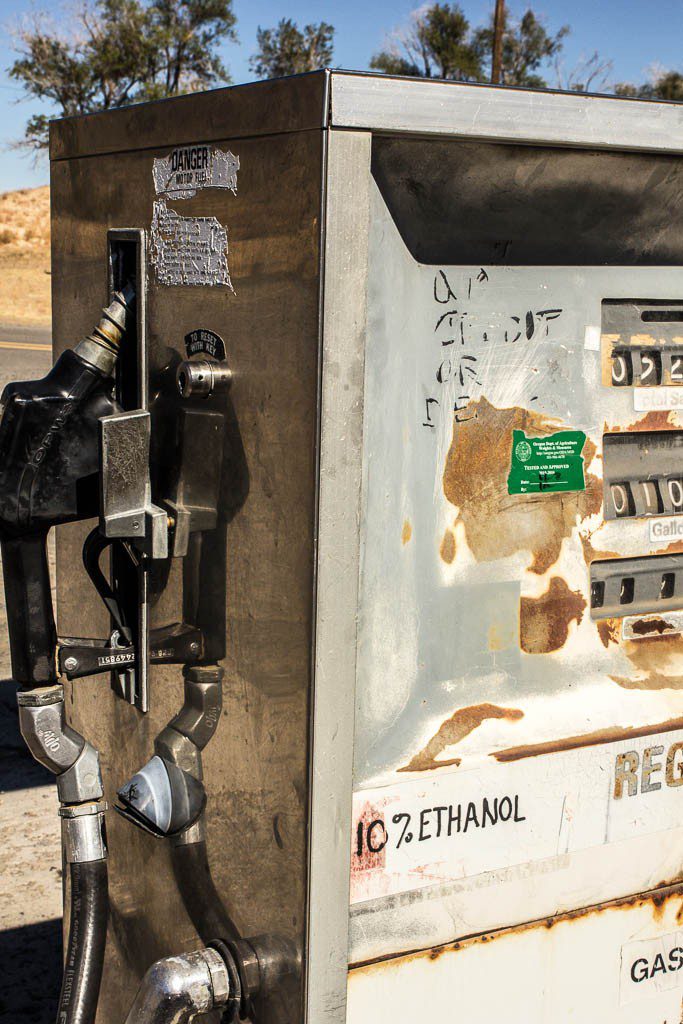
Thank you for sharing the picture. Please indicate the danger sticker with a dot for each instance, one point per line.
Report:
(547, 464)
(190, 168)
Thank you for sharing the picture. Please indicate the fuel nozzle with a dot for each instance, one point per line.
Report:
(101, 347)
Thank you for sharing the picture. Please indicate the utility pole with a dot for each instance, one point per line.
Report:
(498, 27)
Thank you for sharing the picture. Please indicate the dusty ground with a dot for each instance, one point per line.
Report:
(30, 866)
(25, 257)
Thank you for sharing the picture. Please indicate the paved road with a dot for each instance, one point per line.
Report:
(30, 862)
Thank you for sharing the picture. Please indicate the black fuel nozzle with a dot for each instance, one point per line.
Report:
(49, 474)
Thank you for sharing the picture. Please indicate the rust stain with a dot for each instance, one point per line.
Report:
(406, 532)
(591, 553)
(657, 419)
(608, 631)
(496, 523)
(588, 739)
(453, 730)
(660, 900)
(544, 621)
(658, 660)
(645, 627)
(447, 550)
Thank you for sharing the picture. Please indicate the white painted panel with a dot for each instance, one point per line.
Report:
(574, 971)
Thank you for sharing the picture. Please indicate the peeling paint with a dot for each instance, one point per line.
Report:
(588, 739)
(608, 631)
(453, 730)
(544, 621)
(447, 549)
(497, 524)
(658, 661)
(406, 532)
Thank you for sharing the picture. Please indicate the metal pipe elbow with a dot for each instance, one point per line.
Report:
(58, 747)
(177, 988)
(166, 796)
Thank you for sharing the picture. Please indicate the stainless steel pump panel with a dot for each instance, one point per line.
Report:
(411, 369)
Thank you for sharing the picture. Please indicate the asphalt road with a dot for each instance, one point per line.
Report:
(30, 861)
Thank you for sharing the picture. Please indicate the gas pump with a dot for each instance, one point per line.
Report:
(377, 628)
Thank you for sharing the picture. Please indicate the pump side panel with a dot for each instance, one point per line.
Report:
(255, 595)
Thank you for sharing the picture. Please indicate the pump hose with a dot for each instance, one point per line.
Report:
(84, 960)
(199, 894)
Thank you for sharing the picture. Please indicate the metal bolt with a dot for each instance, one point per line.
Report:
(136, 525)
(194, 646)
(71, 664)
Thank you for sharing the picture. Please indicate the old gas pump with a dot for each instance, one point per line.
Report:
(376, 465)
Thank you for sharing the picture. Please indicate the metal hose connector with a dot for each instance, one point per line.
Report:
(101, 347)
(177, 988)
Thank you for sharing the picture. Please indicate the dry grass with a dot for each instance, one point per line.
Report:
(25, 257)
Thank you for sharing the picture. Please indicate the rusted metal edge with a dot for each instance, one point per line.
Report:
(589, 739)
(657, 896)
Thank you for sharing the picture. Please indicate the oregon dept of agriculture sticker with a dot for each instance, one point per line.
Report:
(550, 463)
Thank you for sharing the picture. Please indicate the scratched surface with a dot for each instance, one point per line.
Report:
(477, 648)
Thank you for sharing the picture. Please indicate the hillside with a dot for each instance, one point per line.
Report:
(25, 257)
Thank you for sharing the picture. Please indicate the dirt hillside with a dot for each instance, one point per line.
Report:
(25, 257)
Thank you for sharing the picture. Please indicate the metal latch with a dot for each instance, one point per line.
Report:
(127, 509)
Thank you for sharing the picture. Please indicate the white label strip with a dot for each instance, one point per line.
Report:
(429, 831)
(650, 966)
(665, 528)
(648, 399)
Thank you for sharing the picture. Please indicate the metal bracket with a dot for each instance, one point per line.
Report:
(178, 644)
(126, 490)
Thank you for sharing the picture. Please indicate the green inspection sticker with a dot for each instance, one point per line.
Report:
(551, 463)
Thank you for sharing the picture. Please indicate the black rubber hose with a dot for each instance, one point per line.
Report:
(199, 894)
(85, 946)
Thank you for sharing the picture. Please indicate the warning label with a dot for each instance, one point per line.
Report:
(188, 250)
(551, 463)
(190, 168)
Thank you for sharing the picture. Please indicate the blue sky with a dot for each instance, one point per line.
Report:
(624, 31)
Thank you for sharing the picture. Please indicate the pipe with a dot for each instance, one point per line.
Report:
(84, 959)
(177, 988)
(192, 871)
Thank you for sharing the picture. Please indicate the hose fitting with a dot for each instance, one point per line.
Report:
(101, 347)
(177, 988)
(57, 746)
(83, 833)
(166, 796)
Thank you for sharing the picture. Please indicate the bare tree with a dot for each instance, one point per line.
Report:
(589, 74)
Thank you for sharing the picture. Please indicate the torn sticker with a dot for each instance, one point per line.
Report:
(189, 168)
(188, 250)
(550, 463)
